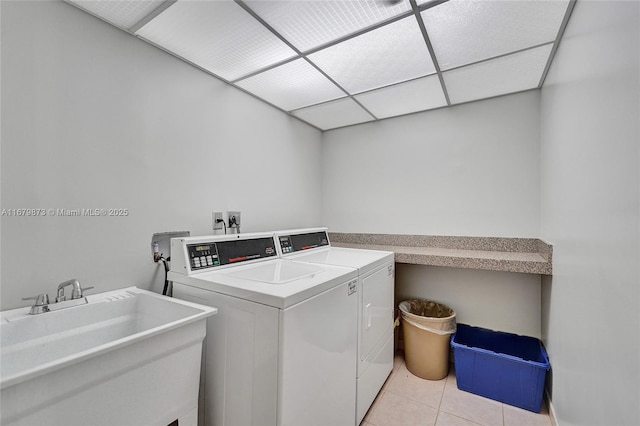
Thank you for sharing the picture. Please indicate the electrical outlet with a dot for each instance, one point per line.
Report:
(233, 220)
(217, 220)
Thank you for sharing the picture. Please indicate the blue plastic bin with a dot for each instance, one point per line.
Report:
(502, 366)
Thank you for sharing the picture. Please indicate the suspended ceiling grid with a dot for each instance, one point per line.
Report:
(335, 63)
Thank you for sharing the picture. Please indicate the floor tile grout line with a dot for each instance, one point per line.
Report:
(373, 408)
(382, 392)
(446, 379)
(417, 400)
(441, 398)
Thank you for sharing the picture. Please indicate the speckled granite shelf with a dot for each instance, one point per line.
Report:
(526, 255)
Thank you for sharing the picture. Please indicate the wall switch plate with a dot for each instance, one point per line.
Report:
(233, 220)
(217, 220)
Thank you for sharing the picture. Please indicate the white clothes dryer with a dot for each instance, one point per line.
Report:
(282, 349)
(375, 302)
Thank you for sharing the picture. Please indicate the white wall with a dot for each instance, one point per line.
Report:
(496, 300)
(95, 118)
(469, 170)
(590, 161)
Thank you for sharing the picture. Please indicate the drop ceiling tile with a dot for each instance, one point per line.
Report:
(218, 36)
(309, 24)
(404, 98)
(507, 74)
(466, 31)
(338, 113)
(391, 54)
(121, 13)
(293, 85)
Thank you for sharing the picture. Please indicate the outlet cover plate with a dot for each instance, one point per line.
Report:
(231, 214)
(215, 216)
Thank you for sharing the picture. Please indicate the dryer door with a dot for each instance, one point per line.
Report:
(376, 309)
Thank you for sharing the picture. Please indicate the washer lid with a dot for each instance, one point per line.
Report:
(275, 273)
(280, 283)
(364, 260)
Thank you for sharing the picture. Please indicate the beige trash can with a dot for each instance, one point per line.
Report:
(427, 327)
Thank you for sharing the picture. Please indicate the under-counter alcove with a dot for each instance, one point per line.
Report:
(490, 282)
(504, 301)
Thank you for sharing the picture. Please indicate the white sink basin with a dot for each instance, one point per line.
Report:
(125, 345)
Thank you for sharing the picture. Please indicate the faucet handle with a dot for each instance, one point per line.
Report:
(41, 299)
(77, 294)
(41, 305)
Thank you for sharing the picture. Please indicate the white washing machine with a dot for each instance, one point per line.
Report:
(375, 302)
(282, 349)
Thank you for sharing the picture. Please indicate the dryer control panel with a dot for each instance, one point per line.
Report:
(303, 241)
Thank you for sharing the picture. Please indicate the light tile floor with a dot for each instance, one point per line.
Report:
(409, 400)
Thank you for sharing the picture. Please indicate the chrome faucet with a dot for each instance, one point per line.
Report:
(76, 292)
(42, 304)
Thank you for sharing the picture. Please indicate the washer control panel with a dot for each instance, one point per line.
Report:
(208, 255)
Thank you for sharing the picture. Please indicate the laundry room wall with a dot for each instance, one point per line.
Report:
(93, 118)
(468, 170)
(590, 198)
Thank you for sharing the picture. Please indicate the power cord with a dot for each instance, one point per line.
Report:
(223, 224)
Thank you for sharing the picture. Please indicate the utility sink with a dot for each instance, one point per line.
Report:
(127, 357)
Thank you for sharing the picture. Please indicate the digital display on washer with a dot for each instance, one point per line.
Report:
(298, 242)
(203, 255)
